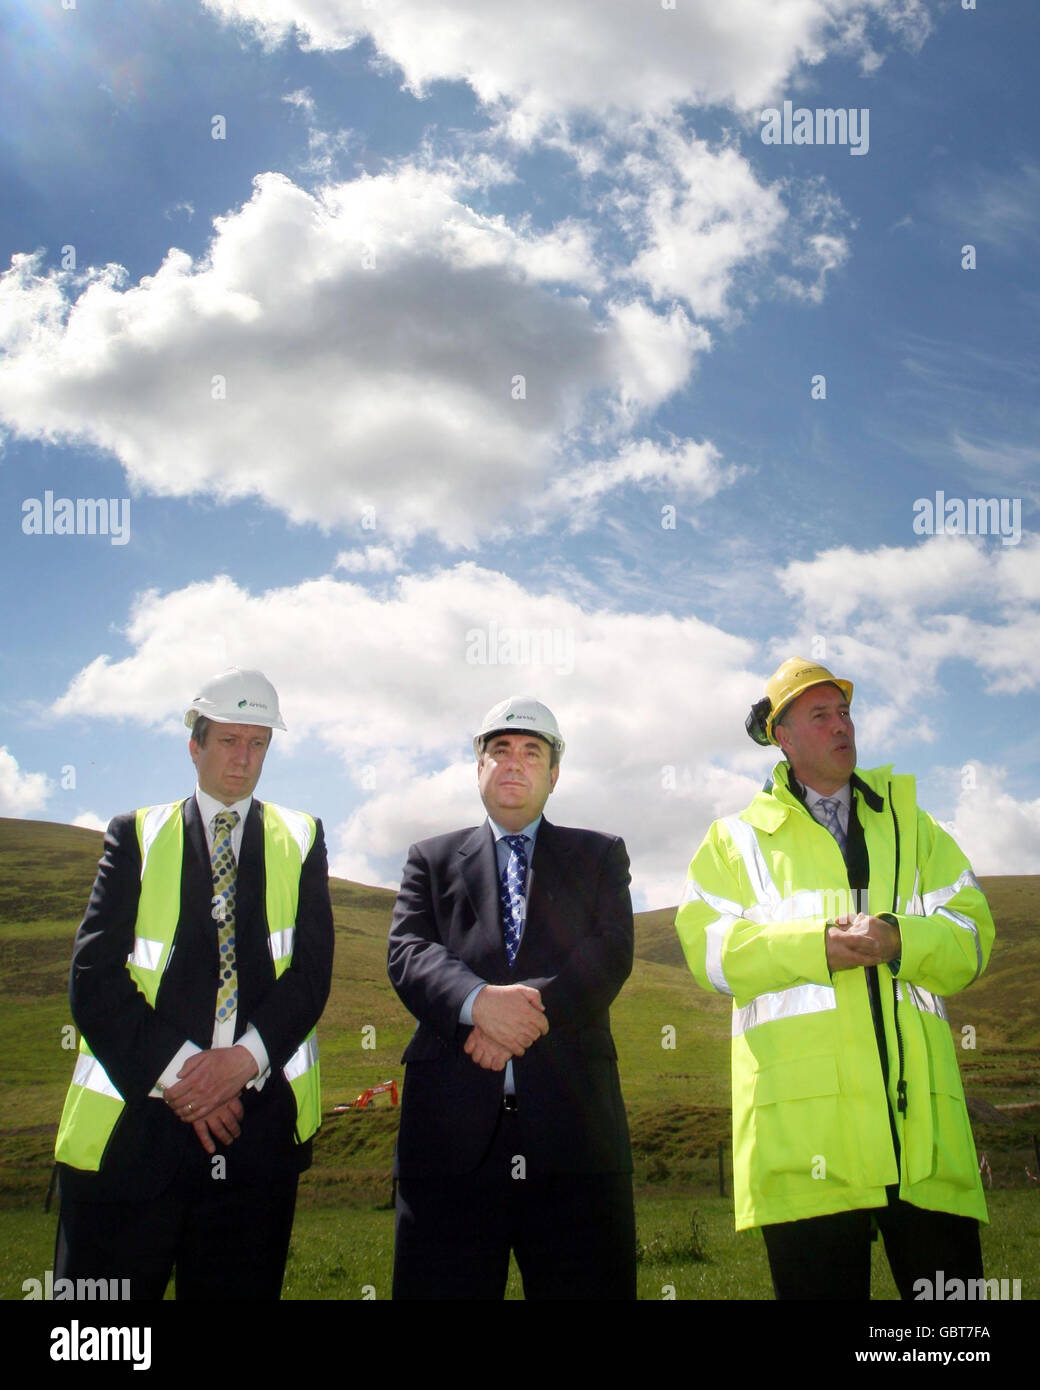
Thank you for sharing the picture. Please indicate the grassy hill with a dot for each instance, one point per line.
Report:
(677, 1096)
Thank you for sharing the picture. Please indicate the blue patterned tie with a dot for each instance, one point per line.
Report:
(512, 883)
(828, 807)
(225, 883)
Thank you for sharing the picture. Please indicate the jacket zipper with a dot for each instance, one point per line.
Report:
(901, 1082)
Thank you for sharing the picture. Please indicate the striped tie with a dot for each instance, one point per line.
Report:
(829, 819)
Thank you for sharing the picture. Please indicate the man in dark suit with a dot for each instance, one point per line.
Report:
(508, 944)
(199, 971)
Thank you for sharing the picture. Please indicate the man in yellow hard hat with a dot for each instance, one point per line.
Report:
(199, 972)
(837, 913)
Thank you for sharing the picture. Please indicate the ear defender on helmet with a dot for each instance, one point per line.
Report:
(755, 723)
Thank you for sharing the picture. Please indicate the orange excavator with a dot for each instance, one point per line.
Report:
(366, 1097)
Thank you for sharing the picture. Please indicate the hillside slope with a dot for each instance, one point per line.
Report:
(672, 1037)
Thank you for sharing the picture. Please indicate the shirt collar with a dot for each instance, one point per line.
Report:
(843, 796)
(209, 806)
(530, 830)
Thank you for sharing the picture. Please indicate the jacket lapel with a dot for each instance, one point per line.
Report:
(197, 870)
(544, 877)
(250, 866)
(478, 868)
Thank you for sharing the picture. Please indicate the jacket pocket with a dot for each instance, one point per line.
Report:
(793, 1135)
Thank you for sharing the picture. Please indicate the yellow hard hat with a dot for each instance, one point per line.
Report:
(787, 682)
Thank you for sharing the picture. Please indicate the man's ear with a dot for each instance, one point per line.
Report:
(553, 774)
(194, 750)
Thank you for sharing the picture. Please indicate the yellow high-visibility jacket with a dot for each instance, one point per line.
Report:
(812, 1125)
(93, 1105)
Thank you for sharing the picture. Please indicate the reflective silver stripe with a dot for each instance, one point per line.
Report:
(305, 1056)
(91, 1075)
(720, 905)
(770, 904)
(147, 953)
(154, 820)
(938, 896)
(281, 942)
(714, 933)
(300, 827)
(762, 885)
(968, 925)
(804, 902)
(921, 999)
(784, 1003)
(915, 907)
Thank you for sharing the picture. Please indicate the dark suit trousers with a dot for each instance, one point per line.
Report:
(828, 1257)
(223, 1241)
(573, 1234)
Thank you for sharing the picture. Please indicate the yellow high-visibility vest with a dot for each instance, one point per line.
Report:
(811, 1127)
(93, 1104)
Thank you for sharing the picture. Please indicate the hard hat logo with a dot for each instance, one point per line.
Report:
(535, 716)
(237, 696)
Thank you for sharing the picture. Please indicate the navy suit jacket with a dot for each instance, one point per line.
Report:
(135, 1042)
(446, 938)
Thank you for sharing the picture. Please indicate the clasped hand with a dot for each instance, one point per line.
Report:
(507, 1020)
(861, 940)
(206, 1094)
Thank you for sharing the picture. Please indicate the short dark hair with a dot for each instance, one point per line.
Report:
(554, 752)
(784, 712)
(200, 730)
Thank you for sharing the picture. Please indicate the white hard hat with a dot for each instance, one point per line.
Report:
(519, 714)
(237, 697)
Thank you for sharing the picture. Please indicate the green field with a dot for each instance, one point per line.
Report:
(677, 1097)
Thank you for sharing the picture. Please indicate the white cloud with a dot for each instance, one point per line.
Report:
(705, 229)
(376, 345)
(686, 469)
(707, 215)
(820, 254)
(999, 833)
(897, 580)
(902, 612)
(1000, 208)
(21, 793)
(396, 696)
(374, 559)
(89, 821)
(598, 56)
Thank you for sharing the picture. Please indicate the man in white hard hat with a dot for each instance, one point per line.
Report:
(837, 914)
(199, 972)
(509, 942)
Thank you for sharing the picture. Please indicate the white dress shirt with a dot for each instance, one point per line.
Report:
(843, 797)
(224, 1029)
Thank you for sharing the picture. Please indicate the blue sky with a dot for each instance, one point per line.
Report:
(499, 332)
